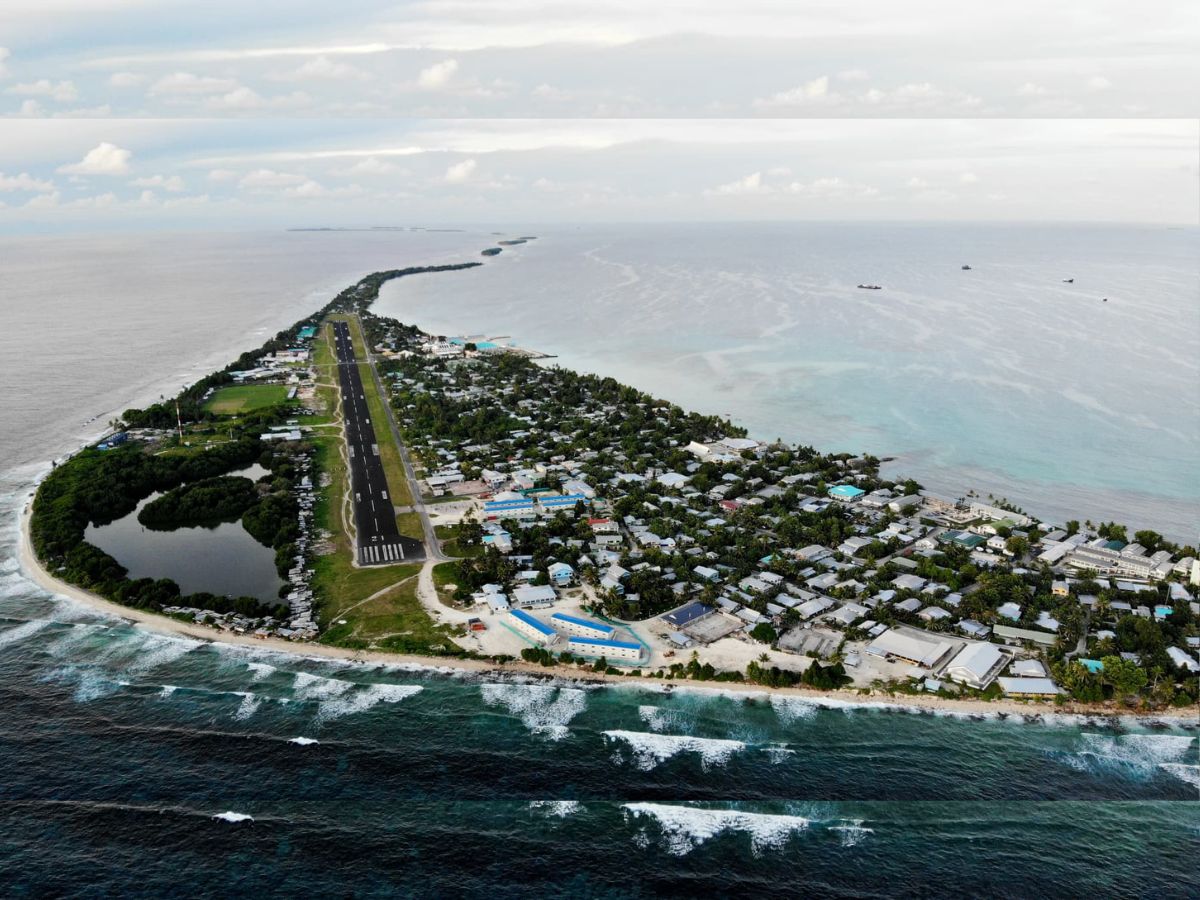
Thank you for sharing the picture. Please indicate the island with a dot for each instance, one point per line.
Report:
(475, 506)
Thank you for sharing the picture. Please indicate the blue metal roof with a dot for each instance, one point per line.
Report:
(508, 504)
(601, 642)
(688, 613)
(599, 626)
(562, 500)
(529, 620)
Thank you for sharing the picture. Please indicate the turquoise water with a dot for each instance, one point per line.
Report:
(1004, 378)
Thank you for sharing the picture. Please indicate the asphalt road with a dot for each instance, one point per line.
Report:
(379, 539)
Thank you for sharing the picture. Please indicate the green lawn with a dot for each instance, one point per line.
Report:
(229, 401)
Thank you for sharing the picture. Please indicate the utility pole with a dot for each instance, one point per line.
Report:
(179, 421)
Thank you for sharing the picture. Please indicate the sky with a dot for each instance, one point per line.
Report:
(173, 113)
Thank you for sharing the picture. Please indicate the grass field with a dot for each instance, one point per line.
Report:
(240, 398)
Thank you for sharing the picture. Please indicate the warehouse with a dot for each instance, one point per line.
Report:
(922, 652)
(529, 627)
(626, 651)
(976, 665)
(573, 625)
(531, 596)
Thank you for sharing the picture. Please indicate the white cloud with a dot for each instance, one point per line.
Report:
(322, 68)
(1098, 83)
(103, 159)
(269, 179)
(438, 75)
(25, 182)
(5, 53)
(372, 165)
(817, 89)
(222, 175)
(460, 172)
(172, 183)
(917, 184)
(548, 92)
(44, 201)
(125, 79)
(185, 83)
(751, 184)
(100, 201)
(30, 109)
(968, 178)
(62, 91)
(243, 98)
(1030, 89)
(853, 75)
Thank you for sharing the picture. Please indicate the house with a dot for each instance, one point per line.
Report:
(976, 665)
(1027, 668)
(1183, 660)
(847, 493)
(560, 573)
(909, 582)
(933, 614)
(1029, 687)
(706, 574)
(1010, 610)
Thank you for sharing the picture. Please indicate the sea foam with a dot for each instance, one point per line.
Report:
(651, 749)
(230, 816)
(22, 631)
(364, 697)
(684, 828)
(1137, 754)
(559, 808)
(543, 709)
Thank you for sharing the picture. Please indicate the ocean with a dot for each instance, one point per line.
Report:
(141, 765)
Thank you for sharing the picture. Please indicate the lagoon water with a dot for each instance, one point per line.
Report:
(136, 764)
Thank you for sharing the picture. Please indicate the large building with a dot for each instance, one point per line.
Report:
(919, 651)
(526, 625)
(573, 625)
(976, 665)
(626, 651)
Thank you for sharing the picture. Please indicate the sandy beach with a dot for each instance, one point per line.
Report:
(159, 624)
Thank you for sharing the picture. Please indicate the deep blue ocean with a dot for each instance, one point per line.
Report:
(139, 765)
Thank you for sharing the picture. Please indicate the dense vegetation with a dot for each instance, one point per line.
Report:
(200, 503)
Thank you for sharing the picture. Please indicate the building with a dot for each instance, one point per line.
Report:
(1183, 660)
(509, 509)
(1028, 687)
(845, 492)
(555, 502)
(625, 651)
(685, 615)
(976, 665)
(577, 627)
(919, 651)
(1010, 634)
(532, 596)
(531, 628)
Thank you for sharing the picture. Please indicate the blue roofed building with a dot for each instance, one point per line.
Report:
(509, 509)
(625, 651)
(687, 614)
(577, 626)
(531, 628)
(845, 492)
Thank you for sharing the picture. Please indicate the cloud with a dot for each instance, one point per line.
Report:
(269, 179)
(172, 183)
(548, 92)
(460, 172)
(1098, 83)
(25, 182)
(372, 165)
(438, 75)
(1030, 89)
(125, 79)
(243, 98)
(103, 159)
(5, 53)
(751, 184)
(817, 89)
(30, 109)
(222, 175)
(63, 91)
(185, 83)
(968, 178)
(44, 201)
(854, 75)
(322, 68)
(917, 184)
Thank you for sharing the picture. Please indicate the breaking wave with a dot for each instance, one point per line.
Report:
(793, 709)
(362, 698)
(651, 749)
(158, 651)
(1137, 754)
(659, 718)
(260, 670)
(303, 741)
(559, 808)
(851, 833)
(684, 828)
(543, 709)
(1188, 774)
(249, 705)
(22, 631)
(230, 816)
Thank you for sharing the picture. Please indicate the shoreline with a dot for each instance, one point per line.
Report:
(30, 566)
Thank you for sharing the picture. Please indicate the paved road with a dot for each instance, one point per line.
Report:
(433, 546)
(379, 539)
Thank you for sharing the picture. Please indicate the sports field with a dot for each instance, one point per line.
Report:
(240, 398)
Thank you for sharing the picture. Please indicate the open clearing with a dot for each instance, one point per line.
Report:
(240, 398)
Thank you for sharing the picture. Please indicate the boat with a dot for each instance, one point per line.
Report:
(1068, 281)
(966, 268)
(871, 287)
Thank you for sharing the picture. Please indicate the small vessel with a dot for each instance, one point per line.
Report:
(1068, 281)
(966, 268)
(1105, 299)
(871, 287)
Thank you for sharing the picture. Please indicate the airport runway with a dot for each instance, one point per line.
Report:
(379, 540)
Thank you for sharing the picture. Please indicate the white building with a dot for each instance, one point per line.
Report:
(577, 627)
(532, 596)
(626, 651)
(920, 651)
(537, 631)
(976, 665)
